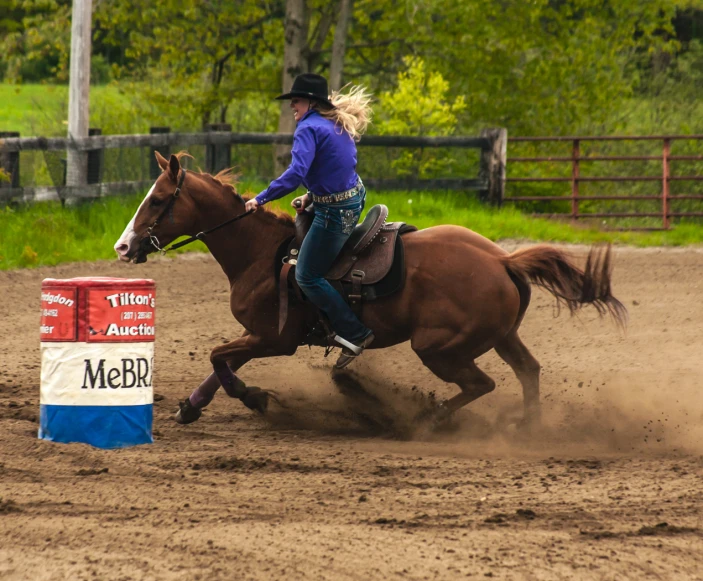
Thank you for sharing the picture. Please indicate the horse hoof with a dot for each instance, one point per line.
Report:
(524, 427)
(435, 417)
(256, 399)
(187, 413)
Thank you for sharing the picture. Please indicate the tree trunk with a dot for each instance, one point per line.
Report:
(339, 44)
(319, 35)
(296, 25)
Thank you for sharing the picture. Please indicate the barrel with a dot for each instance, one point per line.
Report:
(97, 361)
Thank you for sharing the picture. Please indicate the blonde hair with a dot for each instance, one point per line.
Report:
(352, 110)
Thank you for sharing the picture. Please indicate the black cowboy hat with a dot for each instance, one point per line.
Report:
(309, 86)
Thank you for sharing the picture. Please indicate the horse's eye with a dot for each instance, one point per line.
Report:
(155, 202)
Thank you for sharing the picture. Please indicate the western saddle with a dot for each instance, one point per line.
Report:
(371, 264)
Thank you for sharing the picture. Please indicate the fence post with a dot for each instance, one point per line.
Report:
(666, 152)
(95, 160)
(575, 172)
(154, 168)
(492, 165)
(217, 156)
(79, 92)
(10, 163)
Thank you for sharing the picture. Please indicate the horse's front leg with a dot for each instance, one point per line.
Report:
(226, 360)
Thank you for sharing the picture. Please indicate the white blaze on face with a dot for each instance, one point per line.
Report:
(125, 241)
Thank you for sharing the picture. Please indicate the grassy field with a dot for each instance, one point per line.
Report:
(27, 107)
(47, 234)
(35, 110)
(42, 110)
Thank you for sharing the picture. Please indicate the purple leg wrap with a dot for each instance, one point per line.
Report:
(203, 394)
(234, 386)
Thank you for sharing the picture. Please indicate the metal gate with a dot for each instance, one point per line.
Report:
(601, 203)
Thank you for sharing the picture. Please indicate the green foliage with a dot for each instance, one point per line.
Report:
(542, 67)
(35, 42)
(535, 67)
(38, 48)
(419, 105)
(10, 17)
(196, 64)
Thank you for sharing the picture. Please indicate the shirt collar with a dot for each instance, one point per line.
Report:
(307, 114)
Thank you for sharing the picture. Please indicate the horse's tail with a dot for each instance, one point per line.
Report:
(551, 269)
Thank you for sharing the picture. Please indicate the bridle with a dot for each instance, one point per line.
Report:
(152, 241)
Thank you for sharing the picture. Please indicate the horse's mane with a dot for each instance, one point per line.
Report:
(228, 179)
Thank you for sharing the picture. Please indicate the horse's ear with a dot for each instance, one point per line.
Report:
(161, 160)
(174, 166)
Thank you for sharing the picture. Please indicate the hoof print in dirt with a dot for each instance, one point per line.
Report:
(188, 413)
(8, 505)
(256, 399)
(92, 471)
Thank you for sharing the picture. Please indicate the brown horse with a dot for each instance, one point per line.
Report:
(463, 295)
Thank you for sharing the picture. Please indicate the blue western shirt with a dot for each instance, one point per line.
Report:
(324, 160)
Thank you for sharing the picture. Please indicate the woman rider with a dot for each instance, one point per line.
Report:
(324, 161)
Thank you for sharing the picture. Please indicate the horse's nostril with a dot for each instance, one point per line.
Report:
(121, 248)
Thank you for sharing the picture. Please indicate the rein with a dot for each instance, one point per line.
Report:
(199, 236)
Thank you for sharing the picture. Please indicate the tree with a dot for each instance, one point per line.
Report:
(339, 44)
(306, 31)
(295, 36)
(542, 66)
(420, 104)
(37, 46)
(11, 15)
(556, 66)
(195, 56)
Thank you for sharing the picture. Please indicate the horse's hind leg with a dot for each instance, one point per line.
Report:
(513, 351)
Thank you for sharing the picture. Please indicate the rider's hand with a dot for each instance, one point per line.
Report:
(301, 202)
(252, 205)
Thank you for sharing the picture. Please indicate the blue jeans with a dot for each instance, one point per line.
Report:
(329, 232)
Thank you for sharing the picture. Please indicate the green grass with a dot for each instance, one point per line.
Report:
(42, 110)
(48, 234)
(25, 106)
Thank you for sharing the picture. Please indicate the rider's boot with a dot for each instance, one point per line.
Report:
(351, 350)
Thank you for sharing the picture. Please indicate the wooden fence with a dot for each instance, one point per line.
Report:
(576, 160)
(576, 203)
(488, 181)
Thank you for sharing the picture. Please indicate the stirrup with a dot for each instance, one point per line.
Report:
(351, 351)
(355, 349)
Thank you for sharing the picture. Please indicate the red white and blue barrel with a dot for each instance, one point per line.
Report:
(97, 346)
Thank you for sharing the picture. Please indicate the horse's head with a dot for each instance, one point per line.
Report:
(164, 215)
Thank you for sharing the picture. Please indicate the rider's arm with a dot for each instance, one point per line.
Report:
(303, 153)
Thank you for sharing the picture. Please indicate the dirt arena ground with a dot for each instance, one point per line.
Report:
(612, 488)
